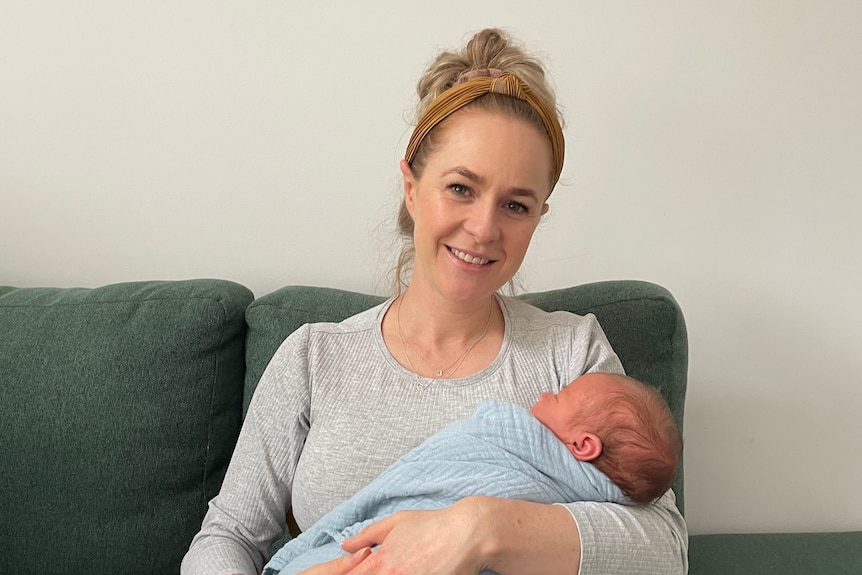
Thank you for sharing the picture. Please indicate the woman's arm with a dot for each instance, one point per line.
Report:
(543, 539)
(515, 537)
(249, 512)
(604, 538)
(244, 518)
(538, 538)
(632, 539)
(505, 535)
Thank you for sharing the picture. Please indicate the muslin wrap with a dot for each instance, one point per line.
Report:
(501, 450)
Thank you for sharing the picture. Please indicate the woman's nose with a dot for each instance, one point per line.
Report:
(482, 223)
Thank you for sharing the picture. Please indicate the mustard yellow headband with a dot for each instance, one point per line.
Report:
(503, 83)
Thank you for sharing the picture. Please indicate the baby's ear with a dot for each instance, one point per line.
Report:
(585, 446)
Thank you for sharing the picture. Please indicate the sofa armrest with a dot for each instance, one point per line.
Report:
(776, 554)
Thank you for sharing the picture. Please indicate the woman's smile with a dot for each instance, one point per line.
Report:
(475, 260)
(476, 204)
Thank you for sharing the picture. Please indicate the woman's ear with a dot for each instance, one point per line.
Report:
(585, 446)
(545, 208)
(409, 185)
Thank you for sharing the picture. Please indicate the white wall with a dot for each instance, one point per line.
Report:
(714, 148)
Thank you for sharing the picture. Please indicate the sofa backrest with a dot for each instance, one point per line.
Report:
(120, 407)
(121, 404)
(642, 321)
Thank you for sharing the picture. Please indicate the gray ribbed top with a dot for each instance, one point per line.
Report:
(334, 408)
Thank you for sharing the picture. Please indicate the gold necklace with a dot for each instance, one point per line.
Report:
(457, 363)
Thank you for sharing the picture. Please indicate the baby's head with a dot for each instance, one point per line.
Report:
(621, 426)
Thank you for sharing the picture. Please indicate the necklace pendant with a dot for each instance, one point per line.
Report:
(439, 373)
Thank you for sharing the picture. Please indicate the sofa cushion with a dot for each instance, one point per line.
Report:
(642, 321)
(121, 406)
(776, 554)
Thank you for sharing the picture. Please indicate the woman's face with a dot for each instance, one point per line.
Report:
(477, 203)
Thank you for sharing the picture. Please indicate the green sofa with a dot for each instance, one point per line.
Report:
(121, 406)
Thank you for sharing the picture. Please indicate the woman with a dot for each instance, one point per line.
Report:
(340, 402)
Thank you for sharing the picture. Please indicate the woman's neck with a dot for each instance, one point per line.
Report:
(436, 322)
(441, 340)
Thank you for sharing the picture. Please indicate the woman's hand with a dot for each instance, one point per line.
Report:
(340, 566)
(478, 532)
(429, 542)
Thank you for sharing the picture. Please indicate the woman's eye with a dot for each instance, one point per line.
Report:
(458, 189)
(517, 207)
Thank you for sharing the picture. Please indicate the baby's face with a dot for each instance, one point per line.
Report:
(556, 412)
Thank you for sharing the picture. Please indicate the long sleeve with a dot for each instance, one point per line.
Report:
(624, 539)
(249, 512)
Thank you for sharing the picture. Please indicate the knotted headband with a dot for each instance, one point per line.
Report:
(478, 83)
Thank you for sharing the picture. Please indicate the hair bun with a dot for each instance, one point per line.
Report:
(490, 48)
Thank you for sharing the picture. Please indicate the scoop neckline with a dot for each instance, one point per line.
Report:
(423, 381)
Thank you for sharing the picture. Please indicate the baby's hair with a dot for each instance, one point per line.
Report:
(642, 445)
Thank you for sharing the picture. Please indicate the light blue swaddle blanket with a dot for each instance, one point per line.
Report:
(501, 450)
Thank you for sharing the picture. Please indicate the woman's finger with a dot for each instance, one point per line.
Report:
(372, 535)
(341, 565)
(410, 542)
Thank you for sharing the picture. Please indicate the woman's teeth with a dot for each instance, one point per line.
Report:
(468, 258)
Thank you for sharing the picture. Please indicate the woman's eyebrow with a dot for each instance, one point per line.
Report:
(474, 177)
(467, 173)
(524, 193)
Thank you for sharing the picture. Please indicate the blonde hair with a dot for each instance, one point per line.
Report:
(488, 49)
